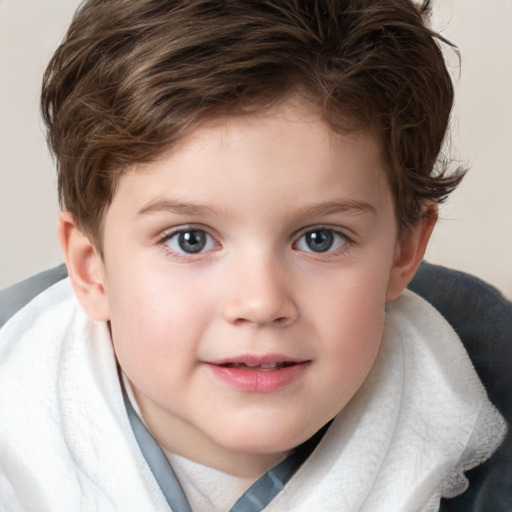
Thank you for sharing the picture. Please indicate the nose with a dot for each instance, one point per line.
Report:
(260, 294)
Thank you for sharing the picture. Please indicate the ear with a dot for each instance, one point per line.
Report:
(410, 251)
(85, 268)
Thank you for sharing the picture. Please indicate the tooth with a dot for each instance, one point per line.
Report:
(268, 366)
(251, 364)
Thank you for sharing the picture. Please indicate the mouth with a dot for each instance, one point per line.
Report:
(259, 374)
(261, 366)
(258, 362)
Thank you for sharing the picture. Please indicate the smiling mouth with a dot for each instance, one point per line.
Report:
(259, 374)
(259, 367)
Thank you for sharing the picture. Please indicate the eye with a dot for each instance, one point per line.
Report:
(321, 240)
(190, 241)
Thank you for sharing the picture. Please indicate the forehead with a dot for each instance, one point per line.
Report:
(282, 154)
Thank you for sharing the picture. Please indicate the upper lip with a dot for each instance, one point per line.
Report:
(257, 360)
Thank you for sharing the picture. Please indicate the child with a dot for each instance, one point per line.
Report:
(247, 189)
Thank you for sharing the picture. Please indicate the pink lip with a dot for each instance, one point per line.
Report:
(246, 373)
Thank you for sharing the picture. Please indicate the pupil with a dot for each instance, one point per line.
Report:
(192, 241)
(319, 241)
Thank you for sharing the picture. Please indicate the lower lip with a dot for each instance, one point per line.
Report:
(256, 380)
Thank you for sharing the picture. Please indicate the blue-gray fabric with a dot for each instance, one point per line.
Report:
(266, 488)
(479, 314)
(157, 462)
(255, 499)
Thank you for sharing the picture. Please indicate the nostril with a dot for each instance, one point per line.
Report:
(260, 309)
(280, 321)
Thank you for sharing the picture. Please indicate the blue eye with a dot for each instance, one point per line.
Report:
(190, 241)
(321, 240)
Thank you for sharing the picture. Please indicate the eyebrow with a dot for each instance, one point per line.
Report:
(177, 207)
(344, 206)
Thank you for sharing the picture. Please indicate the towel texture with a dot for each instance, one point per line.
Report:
(419, 421)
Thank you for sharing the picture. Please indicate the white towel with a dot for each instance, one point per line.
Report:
(420, 419)
(66, 444)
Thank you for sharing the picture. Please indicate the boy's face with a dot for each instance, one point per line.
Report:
(245, 279)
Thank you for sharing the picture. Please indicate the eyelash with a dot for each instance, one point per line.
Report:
(185, 257)
(329, 253)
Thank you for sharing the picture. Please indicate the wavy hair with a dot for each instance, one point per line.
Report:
(134, 76)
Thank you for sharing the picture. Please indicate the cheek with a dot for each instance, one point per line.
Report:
(354, 335)
(351, 299)
(155, 324)
(354, 345)
(350, 316)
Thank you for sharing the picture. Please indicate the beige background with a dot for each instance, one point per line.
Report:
(475, 231)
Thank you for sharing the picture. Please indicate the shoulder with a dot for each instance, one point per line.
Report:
(458, 296)
(37, 327)
(60, 392)
(482, 318)
(32, 341)
(15, 297)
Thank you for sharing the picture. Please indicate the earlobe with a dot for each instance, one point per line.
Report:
(85, 268)
(410, 251)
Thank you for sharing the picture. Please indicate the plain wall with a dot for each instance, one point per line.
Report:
(475, 230)
(30, 31)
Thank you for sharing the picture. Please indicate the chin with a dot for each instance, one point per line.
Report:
(265, 439)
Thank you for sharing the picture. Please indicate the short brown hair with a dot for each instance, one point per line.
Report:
(133, 76)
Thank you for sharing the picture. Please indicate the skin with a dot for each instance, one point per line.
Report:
(258, 188)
